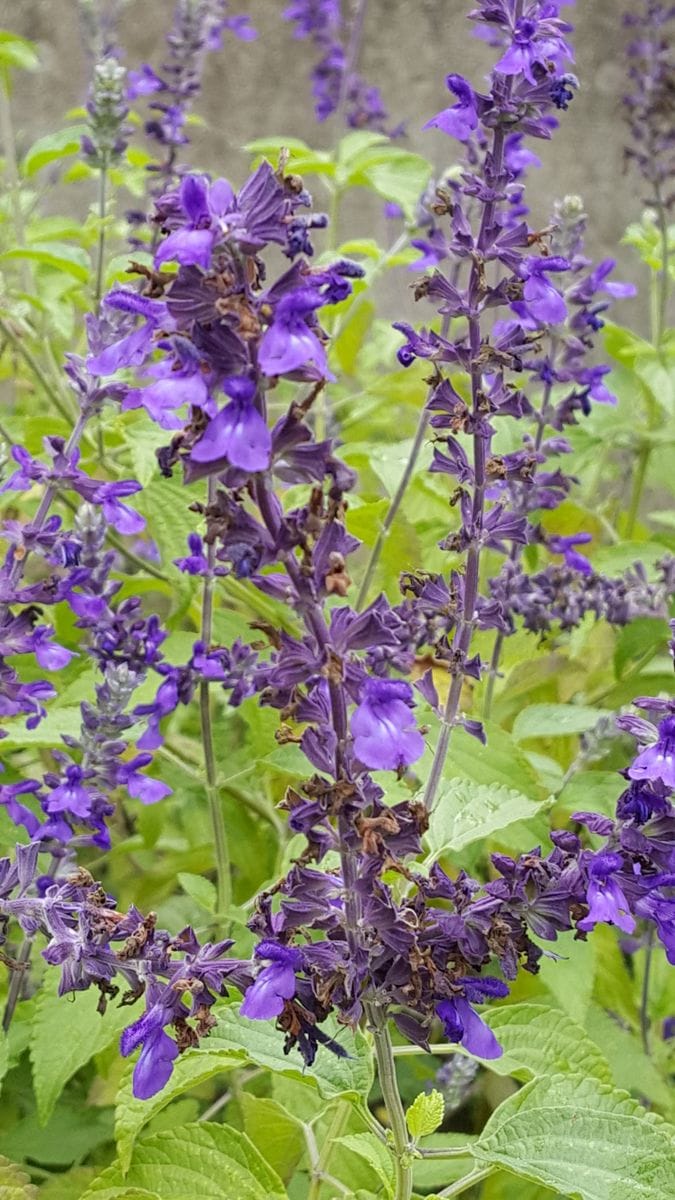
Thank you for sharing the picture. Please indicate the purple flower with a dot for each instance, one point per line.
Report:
(566, 546)
(606, 901)
(461, 119)
(202, 205)
(541, 299)
(265, 998)
(463, 1025)
(383, 727)
(158, 1054)
(238, 433)
(657, 762)
(289, 344)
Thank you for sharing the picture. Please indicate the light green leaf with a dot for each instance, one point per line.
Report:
(60, 256)
(52, 148)
(264, 1045)
(570, 978)
(4, 1055)
(467, 812)
(202, 1160)
(370, 1149)
(14, 1184)
(543, 1041)
(191, 1068)
(200, 889)
(592, 791)
(17, 52)
(277, 1135)
(556, 720)
(425, 1114)
(67, 1032)
(68, 1185)
(583, 1138)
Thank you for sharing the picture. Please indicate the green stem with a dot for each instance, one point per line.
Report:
(661, 308)
(644, 1001)
(31, 362)
(638, 486)
(319, 1159)
(386, 1073)
(391, 512)
(469, 1181)
(100, 249)
(222, 854)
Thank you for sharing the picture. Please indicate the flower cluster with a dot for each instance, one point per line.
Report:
(649, 104)
(336, 85)
(198, 29)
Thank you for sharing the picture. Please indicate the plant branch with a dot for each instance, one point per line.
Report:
(222, 853)
(386, 1073)
(645, 1022)
(468, 1181)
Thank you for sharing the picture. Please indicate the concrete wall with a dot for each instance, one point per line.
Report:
(258, 88)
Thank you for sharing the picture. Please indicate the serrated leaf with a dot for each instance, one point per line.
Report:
(199, 889)
(425, 1114)
(191, 1068)
(201, 1160)
(66, 1033)
(541, 1041)
(277, 1135)
(369, 1148)
(583, 1138)
(52, 148)
(264, 1045)
(556, 720)
(14, 1183)
(467, 812)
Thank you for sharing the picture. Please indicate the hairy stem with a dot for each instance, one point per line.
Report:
(661, 308)
(221, 848)
(386, 1073)
(637, 488)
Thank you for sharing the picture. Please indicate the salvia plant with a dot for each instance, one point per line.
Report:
(336, 653)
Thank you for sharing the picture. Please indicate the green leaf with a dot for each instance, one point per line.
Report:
(570, 978)
(201, 1160)
(556, 720)
(69, 1185)
(191, 1068)
(276, 1134)
(370, 1149)
(543, 1041)
(17, 52)
(60, 256)
(591, 791)
(264, 1045)
(67, 1032)
(425, 1114)
(402, 179)
(467, 812)
(14, 1184)
(199, 889)
(52, 148)
(583, 1138)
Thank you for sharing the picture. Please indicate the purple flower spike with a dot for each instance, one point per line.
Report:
(289, 343)
(383, 727)
(159, 1052)
(275, 984)
(541, 299)
(657, 762)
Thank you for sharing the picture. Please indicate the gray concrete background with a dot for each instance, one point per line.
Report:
(262, 87)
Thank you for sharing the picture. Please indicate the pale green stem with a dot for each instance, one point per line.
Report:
(637, 488)
(661, 310)
(100, 249)
(31, 362)
(469, 1181)
(386, 1074)
(644, 1000)
(319, 1160)
(222, 854)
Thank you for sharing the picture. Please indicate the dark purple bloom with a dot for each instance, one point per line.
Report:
(238, 433)
(158, 1053)
(567, 547)
(462, 1023)
(383, 727)
(289, 344)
